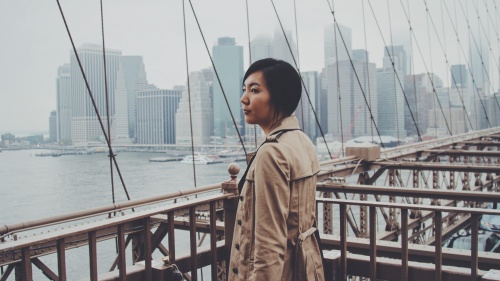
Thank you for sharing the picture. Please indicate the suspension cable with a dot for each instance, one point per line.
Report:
(218, 78)
(106, 137)
(189, 92)
(394, 69)
(467, 63)
(339, 93)
(356, 74)
(425, 65)
(250, 63)
(367, 64)
(443, 49)
(107, 103)
(302, 80)
(491, 51)
(298, 62)
(394, 75)
(447, 73)
(432, 71)
(413, 68)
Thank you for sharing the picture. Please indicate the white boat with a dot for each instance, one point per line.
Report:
(198, 159)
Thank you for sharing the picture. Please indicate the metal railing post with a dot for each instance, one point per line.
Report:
(230, 206)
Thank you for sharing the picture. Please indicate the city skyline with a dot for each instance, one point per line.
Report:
(43, 58)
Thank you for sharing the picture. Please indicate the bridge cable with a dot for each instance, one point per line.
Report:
(413, 69)
(218, 79)
(189, 91)
(339, 92)
(425, 65)
(107, 103)
(355, 73)
(467, 63)
(447, 73)
(250, 62)
(436, 97)
(394, 75)
(302, 80)
(443, 49)
(394, 69)
(367, 64)
(491, 51)
(107, 138)
(298, 64)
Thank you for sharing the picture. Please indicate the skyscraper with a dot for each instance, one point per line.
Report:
(398, 55)
(390, 99)
(131, 78)
(63, 82)
(53, 126)
(348, 114)
(85, 127)
(459, 75)
(261, 47)
(304, 112)
(282, 47)
(201, 110)
(228, 60)
(156, 116)
(334, 45)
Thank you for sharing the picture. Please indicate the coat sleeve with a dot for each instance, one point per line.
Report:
(272, 197)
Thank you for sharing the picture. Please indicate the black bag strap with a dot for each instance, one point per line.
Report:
(277, 134)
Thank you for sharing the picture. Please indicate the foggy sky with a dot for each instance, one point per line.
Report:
(35, 42)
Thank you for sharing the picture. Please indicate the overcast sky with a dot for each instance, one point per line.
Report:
(35, 42)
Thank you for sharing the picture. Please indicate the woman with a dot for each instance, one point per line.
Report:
(277, 196)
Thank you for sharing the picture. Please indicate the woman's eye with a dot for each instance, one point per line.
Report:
(254, 91)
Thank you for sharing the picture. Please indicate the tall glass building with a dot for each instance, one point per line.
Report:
(228, 60)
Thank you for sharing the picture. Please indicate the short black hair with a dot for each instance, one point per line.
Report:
(283, 82)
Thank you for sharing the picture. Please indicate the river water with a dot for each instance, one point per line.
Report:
(33, 187)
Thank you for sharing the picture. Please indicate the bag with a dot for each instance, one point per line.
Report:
(308, 264)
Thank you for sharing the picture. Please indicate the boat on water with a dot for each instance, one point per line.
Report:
(198, 159)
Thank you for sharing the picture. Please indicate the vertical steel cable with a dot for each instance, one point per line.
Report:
(107, 104)
(395, 72)
(250, 63)
(189, 92)
(412, 62)
(339, 105)
(101, 124)
(423, 61)
(432, 71)
(367, 64)
(355, 73)
(218, 78)
(298, 62)
(447, 73)
(481, 57)
(302, 80)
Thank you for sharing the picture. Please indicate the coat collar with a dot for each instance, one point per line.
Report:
(287, 123)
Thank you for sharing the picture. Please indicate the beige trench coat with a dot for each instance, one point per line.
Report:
(278, 198)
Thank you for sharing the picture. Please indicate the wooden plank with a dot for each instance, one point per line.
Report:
(171, 237)
(343, 243)
(474, 226)
(438, 225)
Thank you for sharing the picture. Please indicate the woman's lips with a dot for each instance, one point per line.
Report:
(245, 111)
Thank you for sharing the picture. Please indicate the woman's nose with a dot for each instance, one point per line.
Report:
(244, 98)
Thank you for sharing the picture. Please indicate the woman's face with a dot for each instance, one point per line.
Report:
(256, 102)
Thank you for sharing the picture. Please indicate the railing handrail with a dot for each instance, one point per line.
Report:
(72, 216)
(409, 192)
(432, 208)
(44, 237)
